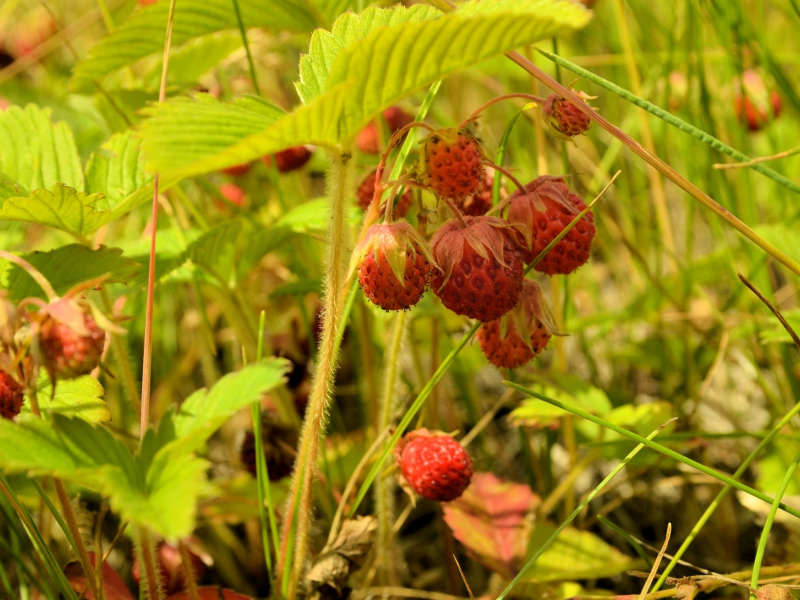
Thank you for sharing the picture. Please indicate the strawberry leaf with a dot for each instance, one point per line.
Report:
(62, 207)
(81, 397)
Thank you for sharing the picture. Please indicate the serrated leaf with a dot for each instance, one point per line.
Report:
(81, 397)
(205, 411)
(117, 171)
(574, 555)
(142, 34)
(62, 207)
(35, 153)
(325, 46)
(368, 76)
(67, 266)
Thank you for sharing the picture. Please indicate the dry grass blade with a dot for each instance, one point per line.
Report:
(774, 310)
(656, 564)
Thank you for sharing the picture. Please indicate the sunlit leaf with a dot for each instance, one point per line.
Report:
(62, 207)
(81, 397)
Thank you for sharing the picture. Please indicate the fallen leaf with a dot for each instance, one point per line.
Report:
(347, 553)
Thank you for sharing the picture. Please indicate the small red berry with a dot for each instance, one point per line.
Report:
(453, 166)
(232, 193)
(367, 139)
(394, 265)
(530, 319)
(758, 104)
(237, 170)
(480, 202)
(542, 212)
(366, 191)
(290, 159)
(563, 119)
(11, 396)
(434, 465)
(71, 351)
(481, 266)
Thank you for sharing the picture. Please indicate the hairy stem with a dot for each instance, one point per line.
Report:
(80, 547)
(340, 180)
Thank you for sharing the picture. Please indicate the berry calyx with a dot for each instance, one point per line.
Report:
(453, 164)
(563, 119)
(12, 396)
(481, 275)
(540, 213)
(290, 159)
(434, 465)
(366, 190)
(394, 265)
(516, 339)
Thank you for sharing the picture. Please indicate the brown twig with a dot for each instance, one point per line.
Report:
(774, 310)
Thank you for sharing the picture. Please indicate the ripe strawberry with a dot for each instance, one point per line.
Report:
(755, 107)
(434, 465)
(366, 191)
(279, 444)
(11, 396)
(233, 194)
(394, 265)
(480, 202)
(290, 159)
(453, 166)
(562, 117)
(71, 348)
(367, 138)
(540, 214)
(237, 170)
(528, 328)
(481, 266)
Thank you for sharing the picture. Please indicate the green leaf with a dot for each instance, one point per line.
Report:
(36, 153)
(574, 555)
(325, 46)
(534, 413)
(205, 411)
(118, 172)
(194, 59)
(143, 33)
(81, 397)
(369, 75)
(63, 208)
(67, 266)
(314, 215)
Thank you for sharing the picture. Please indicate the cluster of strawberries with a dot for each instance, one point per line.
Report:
(475, 262)
(63, 336)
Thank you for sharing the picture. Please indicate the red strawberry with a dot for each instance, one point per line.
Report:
(528, 328)
(290, 159)
(542, 212)
(367, 138)
(479, 203)
(366, 191)
(481, 267)
(394, 265)
(754, 108)
(279, 444)
(434, 465)
(11, 396)
(237, 170)
(453, 166)
(71, 348)
(233, 193)
(562, 117)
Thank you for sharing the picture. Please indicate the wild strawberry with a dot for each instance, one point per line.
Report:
(237, 170)
(481, 273)
(279, 444)
(394, 264)
(11, 396)
(562, 117)
(528, 328)
(367, 138)
(290, 159)
(366, 191)
(755, 107)
(232, 193)
(542, 212)
(453, 164)
(481, 201)
(434, 465)
(71, 344)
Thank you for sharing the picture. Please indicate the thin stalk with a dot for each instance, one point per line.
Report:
(123, 361)
(500, 157)
(53, 510)
(188, 572)
(628, 538)
(152, 583)
(477, 113)
(33, 272)
(658, 447)
(250, 62)
(77, 540)
(147, 358)
(662, 114)
(341, 176)
(762, 543)
(575, 513)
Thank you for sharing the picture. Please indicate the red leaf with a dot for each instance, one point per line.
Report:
(491, 520)
(113, 585)
(210, 593)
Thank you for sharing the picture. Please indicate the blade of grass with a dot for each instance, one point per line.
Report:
(658, 447)
(246, 47)
(628, 538)
(575, 513)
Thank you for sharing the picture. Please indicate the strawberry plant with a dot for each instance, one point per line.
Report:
(220, 221)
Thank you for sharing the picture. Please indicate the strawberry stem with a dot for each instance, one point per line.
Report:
(478, 112)
(33, 272)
